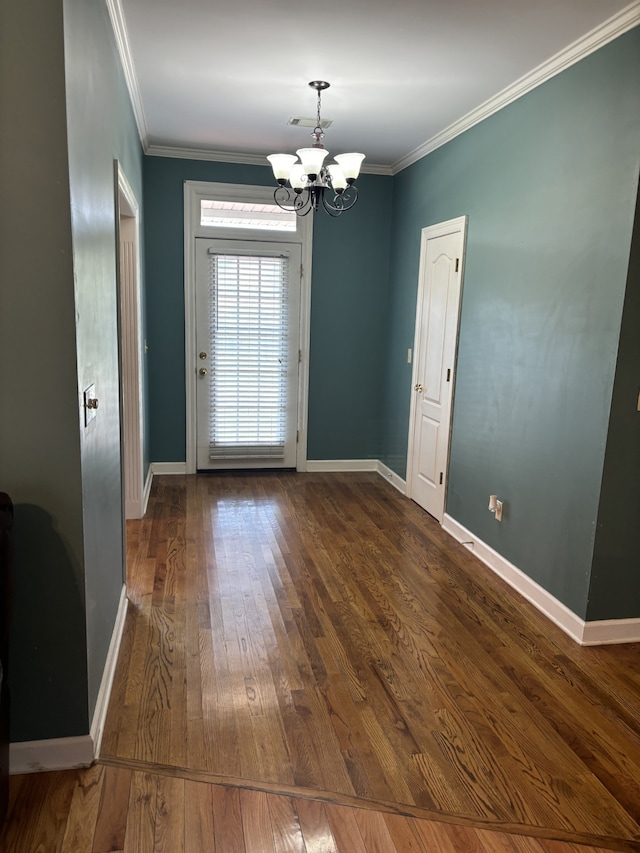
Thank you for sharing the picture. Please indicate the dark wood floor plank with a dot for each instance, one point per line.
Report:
(83, 811)
(375, 832)
(170, 815)
(404, 836)
(39, 813)
(316, 829)
(256, 822)
(111, 822)
(345, 829)
(285, 825)
(141, 816)
(227, 820)
(198, 818)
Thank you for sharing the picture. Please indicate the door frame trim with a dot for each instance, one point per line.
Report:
(130, 356)
(441, 229)
(194, 191)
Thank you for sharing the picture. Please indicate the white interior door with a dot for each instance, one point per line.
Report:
(248, 344)
(439, 286)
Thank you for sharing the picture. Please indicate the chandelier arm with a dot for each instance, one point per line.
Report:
(349, 197)
(285, 201)
(331, 209)
(341, 202)
(302, 203)
(299, 203)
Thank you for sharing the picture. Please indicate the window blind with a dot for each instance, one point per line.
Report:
(249, 355)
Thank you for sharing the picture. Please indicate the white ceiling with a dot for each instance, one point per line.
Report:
(226, 76)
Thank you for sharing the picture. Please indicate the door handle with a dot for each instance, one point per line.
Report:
(418, 388)
(203, 371)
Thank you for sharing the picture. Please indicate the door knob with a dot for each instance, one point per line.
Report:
(418, 388)
(203, 355)
(203, 371)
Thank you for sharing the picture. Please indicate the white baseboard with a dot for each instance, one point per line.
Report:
(605, 632)
(168, 467)
(62, 753)
(312, 466)
(67, 753)
(147, 490)
(392, 477)
(586, 633)
(334, 465)
(102, 702)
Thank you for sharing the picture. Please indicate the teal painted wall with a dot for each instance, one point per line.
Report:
(615, 580)
(101, 129)
(549, 184)
(349, 327)
(348, 305)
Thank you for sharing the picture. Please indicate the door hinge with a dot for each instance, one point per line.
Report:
(441, 475)
(457, 264)
(297, 436)
(301, 271)
(448, 374)
(299, 356)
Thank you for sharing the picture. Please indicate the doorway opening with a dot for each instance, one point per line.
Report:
(130, 348)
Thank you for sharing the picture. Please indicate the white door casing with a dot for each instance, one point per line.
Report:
(130, 347)
(435, 346)
(194, 193)
(207, 371)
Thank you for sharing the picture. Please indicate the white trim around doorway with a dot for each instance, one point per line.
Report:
(194, 192)
(130, 346)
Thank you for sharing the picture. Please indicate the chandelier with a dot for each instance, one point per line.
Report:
(311, 183)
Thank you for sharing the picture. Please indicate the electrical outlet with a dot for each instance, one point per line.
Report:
(498, 510)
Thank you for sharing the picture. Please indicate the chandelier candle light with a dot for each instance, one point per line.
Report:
(312, 182)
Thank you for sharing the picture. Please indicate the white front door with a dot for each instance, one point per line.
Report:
(439, 285)
(247, 353)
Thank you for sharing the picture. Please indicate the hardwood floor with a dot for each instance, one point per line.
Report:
(109, 810)
(315, 646)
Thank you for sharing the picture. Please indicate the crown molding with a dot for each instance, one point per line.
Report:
(622, 22)
(122, 43)
(235, 157)
(205, 154)
(625, 20)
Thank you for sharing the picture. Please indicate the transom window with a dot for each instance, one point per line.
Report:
(235, 214)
